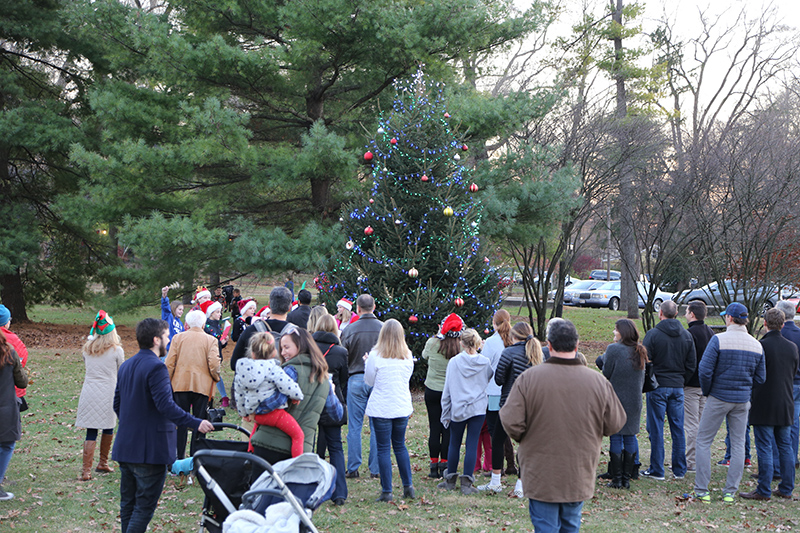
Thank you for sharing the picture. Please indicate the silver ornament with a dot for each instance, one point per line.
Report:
(398, 221)
(381, 131)
(349, 245)
(457, 157)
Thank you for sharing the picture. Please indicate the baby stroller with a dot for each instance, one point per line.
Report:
(226, 478)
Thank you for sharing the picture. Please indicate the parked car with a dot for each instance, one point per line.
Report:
(711, 295)
(604, 274)
(580, 291)
(608, 295)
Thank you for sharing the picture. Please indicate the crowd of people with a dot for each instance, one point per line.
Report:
(300, 374)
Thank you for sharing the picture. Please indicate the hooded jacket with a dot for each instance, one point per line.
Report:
(671, 349)
(464, 394)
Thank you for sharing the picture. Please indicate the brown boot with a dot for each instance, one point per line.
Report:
(88, 459)
(105, 448)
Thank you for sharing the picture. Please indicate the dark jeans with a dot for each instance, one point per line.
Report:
(767, 437)
(390, 434)
(194, 403)
(333, 438)
(728, 443)
(629, 443)
(438, 435)
(140, 488)
(473, 427)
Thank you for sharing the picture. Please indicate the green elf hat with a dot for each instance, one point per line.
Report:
(103, 324)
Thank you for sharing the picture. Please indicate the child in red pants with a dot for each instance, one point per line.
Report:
(263, 389)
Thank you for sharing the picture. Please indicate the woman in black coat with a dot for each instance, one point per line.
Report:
(623, 366)
(326, 335)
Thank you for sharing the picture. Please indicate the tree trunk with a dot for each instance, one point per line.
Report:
(13, 297)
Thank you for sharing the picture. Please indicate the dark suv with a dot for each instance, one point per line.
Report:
(603, 274)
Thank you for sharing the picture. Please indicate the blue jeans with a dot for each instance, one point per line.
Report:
(333, 440)
(140, 488)
(669, 401)
(6, 451)
(627, 442)
(728, 443)
(473, 426)
(555, 517)
(796, 422)
(357, 396)
(390, 434)
(765, 437)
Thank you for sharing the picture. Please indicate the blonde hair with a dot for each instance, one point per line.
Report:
(262, 346)
(100, 344)
(522, 332)
(471, 339)
(343, 315)
(316, 312)
(392, 341)
(327, 324)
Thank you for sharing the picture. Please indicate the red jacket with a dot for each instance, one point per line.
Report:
(21, 350)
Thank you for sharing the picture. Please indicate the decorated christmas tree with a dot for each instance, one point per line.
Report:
(413, 243)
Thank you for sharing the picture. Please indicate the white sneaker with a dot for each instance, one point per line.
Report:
(518, 493)
(5, 495)
(488, 487)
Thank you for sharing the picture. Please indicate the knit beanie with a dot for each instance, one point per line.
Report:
(5, 315)
(103, 325)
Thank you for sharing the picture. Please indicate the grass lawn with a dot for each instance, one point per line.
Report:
(49, 498)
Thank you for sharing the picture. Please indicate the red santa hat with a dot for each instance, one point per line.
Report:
(201, 292)
(344, 302)
(452, 326)
(263, 312)
(244, 305)
(209, 307)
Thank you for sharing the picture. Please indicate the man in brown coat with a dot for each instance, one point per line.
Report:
(556, 407)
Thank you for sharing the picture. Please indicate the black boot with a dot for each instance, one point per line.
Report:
(435, 474)
(635, 467)
(628, 467)
(615, 469)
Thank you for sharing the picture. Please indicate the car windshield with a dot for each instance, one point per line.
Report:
(582, 285)
(609, 286)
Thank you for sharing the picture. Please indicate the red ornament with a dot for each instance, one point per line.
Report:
(447, 115)
(464, 147)
(393, 141)
(424, 177)
(458, 302)
(486, 331)
(473, 187)
(368, 230)
(371, 201)
(368, 156)
(413, 319)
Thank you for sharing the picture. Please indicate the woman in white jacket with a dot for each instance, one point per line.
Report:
(464, 402)
(387, 370)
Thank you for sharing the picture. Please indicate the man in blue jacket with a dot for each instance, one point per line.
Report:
(732, 363)
(146, 439)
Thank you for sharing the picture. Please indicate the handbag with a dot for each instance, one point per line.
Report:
(650, 381)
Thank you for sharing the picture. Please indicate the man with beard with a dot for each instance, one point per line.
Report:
(146, 439)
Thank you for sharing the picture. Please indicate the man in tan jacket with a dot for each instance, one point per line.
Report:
(556, 407)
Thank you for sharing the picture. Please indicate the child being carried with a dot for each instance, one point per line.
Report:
(263, 389)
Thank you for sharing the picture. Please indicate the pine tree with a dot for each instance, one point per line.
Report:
(414, 244)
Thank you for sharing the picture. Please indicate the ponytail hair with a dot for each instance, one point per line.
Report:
(522, 332)
(629, 336)
(471, 340)
(262, 346)
(502, 325)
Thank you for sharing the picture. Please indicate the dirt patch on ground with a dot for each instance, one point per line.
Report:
(66, 337)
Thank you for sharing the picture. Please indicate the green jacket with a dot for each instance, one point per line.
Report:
(306, 412)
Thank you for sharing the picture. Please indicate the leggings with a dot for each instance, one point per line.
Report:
(282, 420)
(91, 434)
(498, 443)
(439, 436)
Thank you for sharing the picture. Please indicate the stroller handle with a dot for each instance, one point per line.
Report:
(226, 454)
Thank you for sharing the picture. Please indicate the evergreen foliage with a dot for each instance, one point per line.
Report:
(414, 243)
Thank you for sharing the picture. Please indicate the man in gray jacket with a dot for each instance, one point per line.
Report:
(359, 338)
(671, 349)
